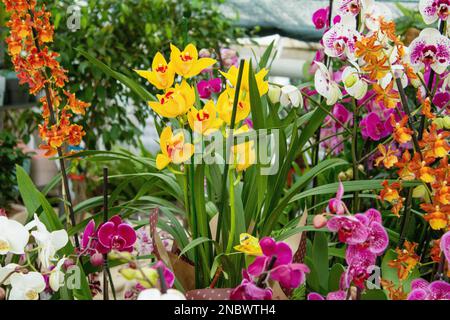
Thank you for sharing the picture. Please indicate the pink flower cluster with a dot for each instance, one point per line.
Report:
(276, 264)
(112, 235)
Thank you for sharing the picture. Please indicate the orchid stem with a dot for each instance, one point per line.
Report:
(105, 219)
(162, 281)
(355, 155)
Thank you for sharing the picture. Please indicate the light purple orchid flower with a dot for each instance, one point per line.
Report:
(336, 205)
(445, 245)
(423, 290)
(432, 10)
(320, 18)
(350, 229)
(430, 50)
(336, 295)
(116, 235)
(340, 40)
(207, 87)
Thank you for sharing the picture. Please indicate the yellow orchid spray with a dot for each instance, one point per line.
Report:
(186, 63)
(225, 106)
(173, 149)
(204, 121)
(175, 101)
(248, 245)
(162, 74)
(244, 155)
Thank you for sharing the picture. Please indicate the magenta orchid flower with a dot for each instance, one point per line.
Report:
(423, 290)
(290, 275)
(359, 267)
(248, 290)
(336, 295)
(89, 239)
(270, 249)
(445, 245)
(373, 127)
(430, 50)
(377, 238)
(432, 10)
(116, 235)
(336, 205)
(320, 18)
(207, 87)
(340, 40)
(342, 114)
(350, 229)
(168, 274)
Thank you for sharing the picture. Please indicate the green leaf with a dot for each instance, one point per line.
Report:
(194, 243)
(334, 277)
(312, 278)
(374, 294)
(320, 257)
(255, 100)
(28, 192)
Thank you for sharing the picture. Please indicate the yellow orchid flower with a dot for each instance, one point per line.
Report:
(187, 63)
(249, 245)
(225, 106)
(244, 155)
(204, 121)
(173, 149)
(232, 75)
(162, 74)
(175, 102)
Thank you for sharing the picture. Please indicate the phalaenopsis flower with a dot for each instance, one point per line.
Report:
(423, 290)
(336, 205)
(433, 10)
(445, 245)
(207, 87)
(340, 40)
(320, 18)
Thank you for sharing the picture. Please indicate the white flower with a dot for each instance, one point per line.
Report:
(155, 294)
(290, 95)
(353, 83)
(340, 40)
(325, 85)
(274, 94)
(26, 286)
(48, 242)
(6, 273)
(372, 13)
(13, 236)
(56, 279)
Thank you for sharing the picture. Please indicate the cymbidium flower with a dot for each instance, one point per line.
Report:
(116, 235)
(204, 121)
(232, 76)
(186, 63)
(175, 101)
(13, 236)
(291, 95)
(26, 286)
(173, 149)
(162, 74)
(248, 245)
(423, 290)
(48, 242)
(225, 106)
(340, 40)
(325, 85)
(432, 10)
(353, 82)
(244, 155)
(430, 50)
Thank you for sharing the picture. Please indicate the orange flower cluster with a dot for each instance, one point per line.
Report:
(394, 292)
(406, 261)
(36, 66)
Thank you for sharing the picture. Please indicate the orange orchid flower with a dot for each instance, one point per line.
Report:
(406, 260)
(388, 157)
(376, 68)
(402, 134)
(388, 96)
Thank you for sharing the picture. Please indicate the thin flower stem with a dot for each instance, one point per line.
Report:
(406, 218)
(355, 155)
(232, 213)
(53, 121)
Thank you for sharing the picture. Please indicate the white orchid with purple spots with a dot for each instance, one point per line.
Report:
(433, 10)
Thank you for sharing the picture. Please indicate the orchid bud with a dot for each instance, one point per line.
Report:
(129, 273)
(349, 174)
(319, 221)
(68, 263)
(2, 294)
(290, 95)
(342, 176)
(96, 259)
(274, 94)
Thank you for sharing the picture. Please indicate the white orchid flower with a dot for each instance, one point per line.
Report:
(48, 242)
(6, 272)
(26, 286)
(274, 94)
(372, 12)
(325, 85)
(155, 294)
(353, 83)
(56, 279)
(291, 95)
(13, 236)
(340, 40)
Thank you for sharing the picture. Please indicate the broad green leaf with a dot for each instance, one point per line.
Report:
(320, 258)
(334, 277)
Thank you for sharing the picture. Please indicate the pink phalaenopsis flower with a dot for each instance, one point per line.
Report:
(433, 10)
(374, 127)
(248, 290)
(430, 50)
(336, 205)
(445, 245)
(360, 264)
(423, 290)
(89, 239)
(335, 295)
(349, 228)
(320, 18)
(207, 87)
(377, 239)
(168, 274)
(115, 235)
